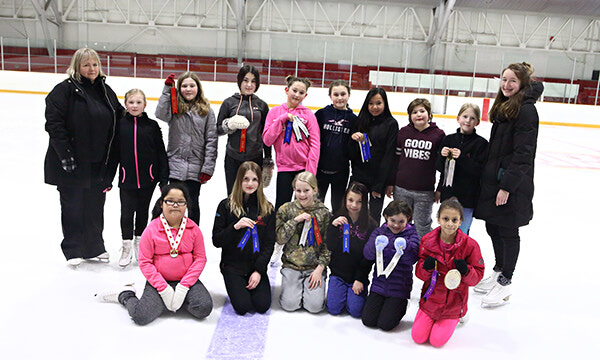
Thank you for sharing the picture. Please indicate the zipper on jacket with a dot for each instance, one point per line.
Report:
(137, 168)
(112, 137)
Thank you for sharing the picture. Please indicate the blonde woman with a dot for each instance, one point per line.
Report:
(82, 114)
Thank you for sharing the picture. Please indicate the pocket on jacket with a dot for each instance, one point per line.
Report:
(501, 173)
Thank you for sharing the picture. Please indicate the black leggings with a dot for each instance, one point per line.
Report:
(134, 203)
(244, 300)
(506, 243)
(383, 312)
(338, 182)
(284, 187)
(231, 168)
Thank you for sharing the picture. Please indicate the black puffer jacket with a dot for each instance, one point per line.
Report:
(243, 261)
(142, 155)
(69, 124)
(510, 165)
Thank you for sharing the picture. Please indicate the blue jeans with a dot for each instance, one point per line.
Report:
(468, 220)
(340, 296)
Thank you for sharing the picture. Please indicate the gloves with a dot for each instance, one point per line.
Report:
(461, 266)
(381, 242)
(170, 81)
(167, 297)
(204, 178)
(267, 168)
(180, 293)
(238, 122)
(68, 164)
(429, 263)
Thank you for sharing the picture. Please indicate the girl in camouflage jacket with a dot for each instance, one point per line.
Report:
(305, 254)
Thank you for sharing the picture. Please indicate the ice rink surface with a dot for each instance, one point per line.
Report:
(48, 311)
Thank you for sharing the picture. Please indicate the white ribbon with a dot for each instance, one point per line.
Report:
(305, 229)
(299, 128)
(400, 245)
(449, 171)
(174, 242)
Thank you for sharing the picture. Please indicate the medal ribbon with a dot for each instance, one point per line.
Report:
(317, 233)
(255, 247)
(174, 99)
(365, 148)
(400, 245)
(288, 132)
(246, 237)
(304, 234)
(346, 246)
(449, 170)
(432, 284)
(174, 242)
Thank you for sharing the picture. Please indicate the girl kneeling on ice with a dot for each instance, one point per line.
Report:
(449, 262)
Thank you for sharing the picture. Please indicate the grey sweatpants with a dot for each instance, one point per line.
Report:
(296, 294)
(421, 202)
(150, 306)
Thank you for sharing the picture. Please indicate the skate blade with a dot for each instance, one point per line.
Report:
(481, 291)
(493, 305)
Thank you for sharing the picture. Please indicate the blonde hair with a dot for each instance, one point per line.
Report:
(475, 108)
(307, 177)
(199, 102)
(133, 92)
(236, 198)
(80, 56)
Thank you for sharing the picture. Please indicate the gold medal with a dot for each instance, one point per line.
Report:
(174, 253)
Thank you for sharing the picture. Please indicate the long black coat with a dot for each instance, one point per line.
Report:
(68, 123)
(510, 165)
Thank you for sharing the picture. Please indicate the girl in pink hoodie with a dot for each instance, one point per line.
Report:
(171, 257)
(293, 131)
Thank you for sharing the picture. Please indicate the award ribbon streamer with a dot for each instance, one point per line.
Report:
(255, 247)
(432, 284)
(346, 243)
(400, 245)
(288, 132)
(243, 141)
(365, 148)
(317, 233)
(245, 238)
(304, 234)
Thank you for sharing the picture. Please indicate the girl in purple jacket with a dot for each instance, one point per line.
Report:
(394, 246)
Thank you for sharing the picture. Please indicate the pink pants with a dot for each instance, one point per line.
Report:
(438, 332)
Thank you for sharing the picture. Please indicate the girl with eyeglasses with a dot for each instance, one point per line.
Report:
(171, 257)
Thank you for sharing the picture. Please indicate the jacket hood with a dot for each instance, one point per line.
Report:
(533, 92)
(432, 126)
(316, 205)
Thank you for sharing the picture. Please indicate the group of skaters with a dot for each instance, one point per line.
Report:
(326, 253)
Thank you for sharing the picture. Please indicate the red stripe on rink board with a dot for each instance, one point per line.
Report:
(485, 109)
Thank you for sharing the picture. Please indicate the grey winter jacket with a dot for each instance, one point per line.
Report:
(192, 147)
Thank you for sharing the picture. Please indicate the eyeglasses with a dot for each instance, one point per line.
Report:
(172, 202)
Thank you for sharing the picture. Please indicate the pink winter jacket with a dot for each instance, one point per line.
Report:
(158, 266)
(303, 155)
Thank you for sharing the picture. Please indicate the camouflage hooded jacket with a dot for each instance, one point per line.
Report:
(296, 256)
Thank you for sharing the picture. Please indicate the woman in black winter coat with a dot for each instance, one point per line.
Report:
(505, 201)
(82, 113)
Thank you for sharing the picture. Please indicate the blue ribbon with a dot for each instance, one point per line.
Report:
(245, 239)
(346, 248)
(288, 132)
(255, 240)
(368, 146)
(311, 235)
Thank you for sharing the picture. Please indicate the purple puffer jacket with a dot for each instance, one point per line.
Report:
(399, 282)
